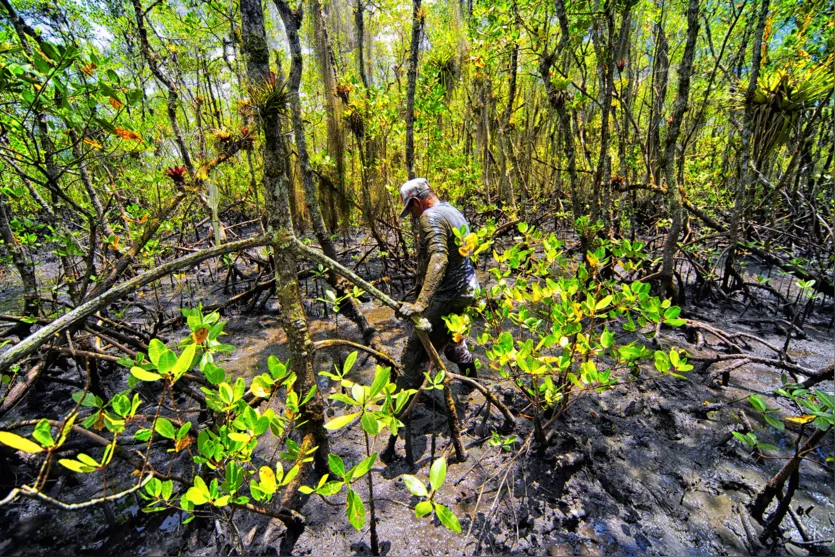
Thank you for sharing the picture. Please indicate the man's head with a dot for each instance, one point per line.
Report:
(416, 196)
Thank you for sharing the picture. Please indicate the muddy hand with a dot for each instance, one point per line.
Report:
(412, 312)
(408, 310)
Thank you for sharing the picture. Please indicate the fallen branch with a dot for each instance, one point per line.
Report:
(27, 491)
(820, 376)
(771, 362)
(31, 343)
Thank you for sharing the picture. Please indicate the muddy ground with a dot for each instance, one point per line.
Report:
(628, 472)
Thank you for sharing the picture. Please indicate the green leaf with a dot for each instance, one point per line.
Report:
(88, 460)
(213, 373)
(672, 312)
(757, 402)
(121, 404)
(341, 421)
(447, 518)
(776, 424)
(277, 369)
(268, 481)
(604, 303)
(291, 473)
(183, 430)
(370, 424)
(380, 381)
(349, 362)
(154, 487)
(183, 363)
(330, 488)
(336, 465)
(261, 386)
(165, 428)
(674, 358)
(739, 436)
(767, 447)
(239, 389)
(827, 399)
(167, 489)
(43, 434)
(573, 378)
(197, 496)
(362, 468)
(355, 509)
(423, 508)
(239, 437)
(155, 350)
(19, 443)
(416, 486)
(437, 474)
(167, 361)
(662, 361)
(144, 375)
(216, 330)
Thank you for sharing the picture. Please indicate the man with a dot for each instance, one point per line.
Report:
(449, 281)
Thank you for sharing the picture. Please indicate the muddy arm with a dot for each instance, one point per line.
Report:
(434, 276)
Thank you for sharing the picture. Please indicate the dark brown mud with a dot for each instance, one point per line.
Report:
(628, 472)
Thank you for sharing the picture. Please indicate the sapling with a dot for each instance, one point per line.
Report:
(437, 475)
(376, 406)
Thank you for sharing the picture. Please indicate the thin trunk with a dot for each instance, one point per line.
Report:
(745, 174)
(359, 20)
(660, 78)
(671, 147)
(417, 26)
(336, 134)
(507, 194)
(557, 101)
(292, 23)
(601, 188)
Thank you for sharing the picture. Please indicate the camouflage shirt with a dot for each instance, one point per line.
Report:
(435, 229)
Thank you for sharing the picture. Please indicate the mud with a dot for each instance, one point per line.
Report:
(628, 472)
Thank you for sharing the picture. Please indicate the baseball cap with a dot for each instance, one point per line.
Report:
(413, 189)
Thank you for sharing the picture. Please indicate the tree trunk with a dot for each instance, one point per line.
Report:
(556, 99)
(660, 78)
(417, 27)
(601, 187)
(670, 148)
(507, 195)
(280, 228)
(292, 23)
(336, 134)
(745, 174)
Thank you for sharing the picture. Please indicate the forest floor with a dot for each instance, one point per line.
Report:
(629, 472)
